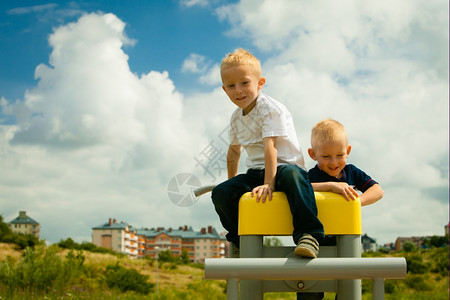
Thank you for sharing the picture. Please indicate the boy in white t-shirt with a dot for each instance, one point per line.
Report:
(265, 129)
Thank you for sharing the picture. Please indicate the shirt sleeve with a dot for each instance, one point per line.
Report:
(352, 176)
(273, 120)
(359, 178)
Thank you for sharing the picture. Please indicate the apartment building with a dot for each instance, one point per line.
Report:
(25, 225)
(206, 243)
(121, 237)
(116, 236)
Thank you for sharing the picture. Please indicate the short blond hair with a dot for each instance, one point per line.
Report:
(241, 57)
(328, 131)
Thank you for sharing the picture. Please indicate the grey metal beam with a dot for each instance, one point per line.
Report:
(311, 269)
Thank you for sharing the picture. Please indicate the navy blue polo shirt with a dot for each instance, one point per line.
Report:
(350, 174)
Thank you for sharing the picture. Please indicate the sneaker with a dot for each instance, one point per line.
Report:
(307, 247)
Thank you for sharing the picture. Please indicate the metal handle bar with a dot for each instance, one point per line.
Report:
(204, 189)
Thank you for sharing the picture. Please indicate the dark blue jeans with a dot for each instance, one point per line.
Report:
(290, 179)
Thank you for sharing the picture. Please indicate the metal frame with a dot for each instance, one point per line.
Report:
(338, 269)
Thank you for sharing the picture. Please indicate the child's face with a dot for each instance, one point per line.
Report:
(331, 157)
(242, 86)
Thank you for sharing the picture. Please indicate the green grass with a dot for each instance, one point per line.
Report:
(51, 273)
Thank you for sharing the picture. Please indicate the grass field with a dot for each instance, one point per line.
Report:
(53, 273)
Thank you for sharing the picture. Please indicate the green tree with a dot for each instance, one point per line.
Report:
(185, 258)
(166, 256)
(5, 231)
(409, 247)
(68, 244)
(436, 241)
(415, 264)
(127, 279)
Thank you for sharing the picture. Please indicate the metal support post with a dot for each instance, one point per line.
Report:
(251, 246)
(349, 246)
(378, 288)
(232, 289)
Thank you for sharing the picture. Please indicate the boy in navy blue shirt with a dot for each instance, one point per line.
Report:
(330, 148)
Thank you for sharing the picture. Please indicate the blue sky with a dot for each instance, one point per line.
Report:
(103, 104)
(165, 32)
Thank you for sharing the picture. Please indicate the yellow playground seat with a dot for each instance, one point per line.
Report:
(338, 216)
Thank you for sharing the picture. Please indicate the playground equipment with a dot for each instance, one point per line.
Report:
(339, 267)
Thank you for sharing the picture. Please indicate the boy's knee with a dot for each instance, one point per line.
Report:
(219, 194)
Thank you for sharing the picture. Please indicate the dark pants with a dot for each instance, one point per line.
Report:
(290, 179)
(310, 296)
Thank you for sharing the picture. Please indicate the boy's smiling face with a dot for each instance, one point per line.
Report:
(331, 157)
(242, 86)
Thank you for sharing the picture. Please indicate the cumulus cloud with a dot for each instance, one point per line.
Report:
(199, 64)
(93, 140)
(381, 69)
(212, 76)
(195, 63)
(92, 137)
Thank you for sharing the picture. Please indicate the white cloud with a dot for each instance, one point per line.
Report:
(191, 3)
(195, 63)
(199, 64)
(382, 70)
(212, 76)
(32, 9)
(94, 140)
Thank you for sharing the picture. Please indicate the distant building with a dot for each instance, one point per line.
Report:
(206, 243)
(25, 225)
(388, 247)
(416, 240)
(136, 243)
(116, 236)
(446, 229)
(368, 243)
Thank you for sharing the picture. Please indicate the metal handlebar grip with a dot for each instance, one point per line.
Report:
(204, 189)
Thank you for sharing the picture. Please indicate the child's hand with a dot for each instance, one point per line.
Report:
(262, 192)
(344, 189)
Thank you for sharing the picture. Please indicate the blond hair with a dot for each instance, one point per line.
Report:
(328, 131)
(241, 57)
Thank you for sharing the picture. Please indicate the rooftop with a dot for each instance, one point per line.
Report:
(112, 224)
(183, 232)
(23, 219)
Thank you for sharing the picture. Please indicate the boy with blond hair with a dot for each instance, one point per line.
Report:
(330, 148)
(265, 129)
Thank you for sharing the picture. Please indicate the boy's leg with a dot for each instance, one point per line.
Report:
(225, 198)
(294, 182)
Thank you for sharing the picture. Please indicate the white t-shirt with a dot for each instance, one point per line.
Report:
(269, 118)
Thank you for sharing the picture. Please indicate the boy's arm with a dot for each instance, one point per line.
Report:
(233, 156)
(336, 187)
(371, 195)
(270, 164)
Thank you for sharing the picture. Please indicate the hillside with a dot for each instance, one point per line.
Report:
(173, 280)
(89, 277)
